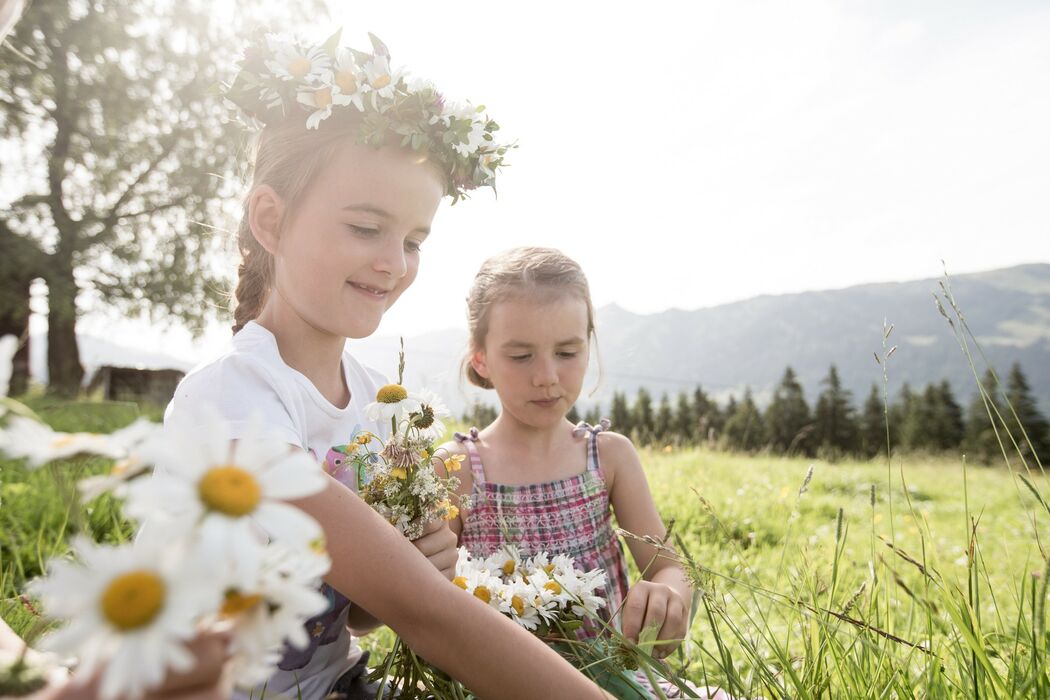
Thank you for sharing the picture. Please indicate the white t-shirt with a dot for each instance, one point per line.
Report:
(252, 379)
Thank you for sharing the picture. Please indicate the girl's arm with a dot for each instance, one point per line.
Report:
(438, 545)
(664, 597)
(378, 568)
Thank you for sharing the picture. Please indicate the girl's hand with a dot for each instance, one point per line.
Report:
(659, 606)
(438, 544)
(205, 681)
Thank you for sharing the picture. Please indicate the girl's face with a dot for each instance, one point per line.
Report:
(352, 244)
(535, 355)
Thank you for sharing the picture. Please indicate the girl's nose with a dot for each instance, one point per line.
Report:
(545, 375)
(391, 258)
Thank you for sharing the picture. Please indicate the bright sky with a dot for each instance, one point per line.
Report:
(690, 154)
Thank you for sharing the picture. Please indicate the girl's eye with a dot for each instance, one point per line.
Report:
(519, 358)
(413, 246)
(363, 230)
(566, 354)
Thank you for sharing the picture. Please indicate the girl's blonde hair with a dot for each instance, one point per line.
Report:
(517, 273)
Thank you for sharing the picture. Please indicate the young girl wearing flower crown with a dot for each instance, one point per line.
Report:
(537, 481)
(349, 168)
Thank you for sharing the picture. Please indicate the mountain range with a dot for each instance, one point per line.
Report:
(748, 343)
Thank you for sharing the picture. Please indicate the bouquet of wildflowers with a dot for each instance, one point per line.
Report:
(398, 479)
(220, 552)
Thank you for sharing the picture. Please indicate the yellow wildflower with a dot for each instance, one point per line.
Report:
(454, 463)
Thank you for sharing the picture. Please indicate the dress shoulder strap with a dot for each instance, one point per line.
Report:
(590, 432)
(468, 440)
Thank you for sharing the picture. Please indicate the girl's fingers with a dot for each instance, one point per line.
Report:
(633, 612)
(655, 613)
(673, 628)
(439, 547)
(436, 541)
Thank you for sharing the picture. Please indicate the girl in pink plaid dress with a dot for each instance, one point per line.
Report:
(537, 481)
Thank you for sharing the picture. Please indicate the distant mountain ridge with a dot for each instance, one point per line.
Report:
(749, 343)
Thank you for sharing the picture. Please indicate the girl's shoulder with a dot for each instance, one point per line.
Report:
(244, 382)
(457, 447)
(616, 453)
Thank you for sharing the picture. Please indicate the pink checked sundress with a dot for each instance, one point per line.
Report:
(568, 516)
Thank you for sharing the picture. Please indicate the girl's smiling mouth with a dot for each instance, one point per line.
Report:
(369, 291)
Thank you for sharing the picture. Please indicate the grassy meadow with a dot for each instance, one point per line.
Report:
(918, 578)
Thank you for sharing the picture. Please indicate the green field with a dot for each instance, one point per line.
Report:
(801, 594)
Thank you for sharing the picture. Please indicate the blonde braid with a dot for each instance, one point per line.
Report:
(253, 276)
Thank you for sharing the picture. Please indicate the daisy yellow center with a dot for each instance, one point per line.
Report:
(425, 418)
(230, 490)
(460, 581)
(238, 603)
(63, 441)
(346, 81)
(508, 567)
(133, 600)
(549, 568)
(323, 97)
(299, 67)
(553, 586)
(381, 81)
(391, 393)
(483, 593)
(518, 604)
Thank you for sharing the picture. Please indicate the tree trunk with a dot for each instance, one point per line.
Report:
(63, 356)
(14, 320)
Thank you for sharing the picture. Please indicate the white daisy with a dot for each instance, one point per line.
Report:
(292, 61)
(392, 401)
(320, 99)
(429, 417)
(39, 444)
(506, 562)
(516, 600)
(349, 80)
(482, 585)
(269, 606)
(233, 492)
(130, 610)
(548, 590)
(382, 80)
(324, 97)
(464, 562)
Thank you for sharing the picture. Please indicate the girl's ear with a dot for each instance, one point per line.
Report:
(480, 363)
(265, 211)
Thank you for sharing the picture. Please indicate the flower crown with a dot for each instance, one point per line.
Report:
(284, 78)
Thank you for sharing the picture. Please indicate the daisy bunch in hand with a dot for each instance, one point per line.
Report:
(218, 551)
(546, 595)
